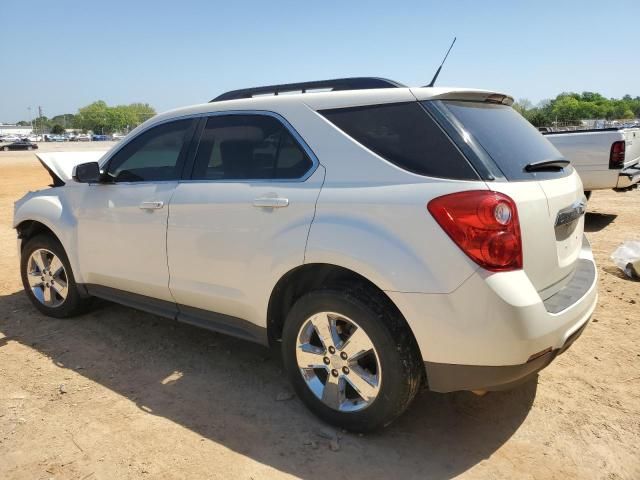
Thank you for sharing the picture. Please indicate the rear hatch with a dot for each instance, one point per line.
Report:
(525, 166)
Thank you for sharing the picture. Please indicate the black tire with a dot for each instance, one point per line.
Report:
(75, 302)
(402, 369)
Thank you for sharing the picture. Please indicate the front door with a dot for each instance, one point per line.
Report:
(122, 222)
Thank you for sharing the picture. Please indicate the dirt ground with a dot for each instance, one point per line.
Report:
(119, 394)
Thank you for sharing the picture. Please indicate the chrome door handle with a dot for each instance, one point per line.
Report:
(271, 202)
(152, 205)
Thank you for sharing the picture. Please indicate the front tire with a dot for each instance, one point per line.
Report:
(48, 280)
(351, 358)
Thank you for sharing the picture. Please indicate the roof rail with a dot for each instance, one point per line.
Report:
(355, 83)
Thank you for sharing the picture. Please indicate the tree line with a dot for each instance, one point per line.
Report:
(570, 108)
(97, 117)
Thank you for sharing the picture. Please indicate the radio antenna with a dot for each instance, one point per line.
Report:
(435, 77)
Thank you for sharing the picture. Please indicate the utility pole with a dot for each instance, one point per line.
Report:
(40, 117)
(30, 119)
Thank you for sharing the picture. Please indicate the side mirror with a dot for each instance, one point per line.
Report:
(87, 172)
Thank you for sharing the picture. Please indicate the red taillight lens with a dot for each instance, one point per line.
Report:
(616, 158)
(484, 225)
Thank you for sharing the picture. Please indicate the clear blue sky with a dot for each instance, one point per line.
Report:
(63, 55)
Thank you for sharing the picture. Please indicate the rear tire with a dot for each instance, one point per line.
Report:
(48, 280)
(392, 365)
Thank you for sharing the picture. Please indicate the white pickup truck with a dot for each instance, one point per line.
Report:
(604, 158)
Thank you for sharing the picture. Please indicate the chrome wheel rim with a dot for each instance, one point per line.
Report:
(338, 362)
(47, 278)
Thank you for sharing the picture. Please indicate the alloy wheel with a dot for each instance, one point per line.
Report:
(338, 362)
(47, 278)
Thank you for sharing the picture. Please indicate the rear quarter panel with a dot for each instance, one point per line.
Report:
(385, 233)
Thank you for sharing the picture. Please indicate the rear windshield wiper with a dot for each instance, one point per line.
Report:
(552, 165)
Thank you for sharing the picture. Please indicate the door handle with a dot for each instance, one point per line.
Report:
(271, 202)
(152, 205)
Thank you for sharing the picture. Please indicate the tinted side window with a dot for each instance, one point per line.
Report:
(153, 155)
(509, 139)
(405, 135)
(248, 147)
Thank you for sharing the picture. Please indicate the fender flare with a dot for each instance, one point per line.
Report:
(49, 210)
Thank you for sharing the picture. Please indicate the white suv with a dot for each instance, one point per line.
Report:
(383, 237)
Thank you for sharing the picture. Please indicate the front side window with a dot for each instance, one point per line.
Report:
(154, 155)
(248, 147)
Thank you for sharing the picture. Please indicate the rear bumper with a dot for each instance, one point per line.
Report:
(629, 177)
(494, 330)
(449, 378)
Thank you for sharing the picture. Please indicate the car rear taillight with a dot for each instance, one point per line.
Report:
(484, 225)
(616, 158)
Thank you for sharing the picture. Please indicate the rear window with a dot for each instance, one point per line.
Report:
(507, 137)
(405, 135)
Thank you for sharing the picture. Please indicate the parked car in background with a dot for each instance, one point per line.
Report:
(100, 138)
(380, 237)
(604, 158)
(19, 145)
(55, 138)
(10, 138)
(34, 138)
(83, 137)
(118, 136)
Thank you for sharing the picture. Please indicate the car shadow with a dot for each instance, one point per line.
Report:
(225, 390)
(594, 222)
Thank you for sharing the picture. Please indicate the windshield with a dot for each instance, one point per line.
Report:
(507, 137)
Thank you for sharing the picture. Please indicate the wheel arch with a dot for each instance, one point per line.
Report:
(27, 229)
(313, 276)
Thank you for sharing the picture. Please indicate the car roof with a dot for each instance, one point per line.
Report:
(327, 100)
(337, 99)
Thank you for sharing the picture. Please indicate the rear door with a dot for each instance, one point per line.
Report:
(243, 218)
(549, 200)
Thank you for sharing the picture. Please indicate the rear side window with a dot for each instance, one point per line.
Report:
(405, 135)
(507, 137)
(248, 147)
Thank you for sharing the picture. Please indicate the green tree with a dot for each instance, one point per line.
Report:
(93, 117)
(566, 108)
(141, 112)
(66, 120)
(57, 129)
(101, 118)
